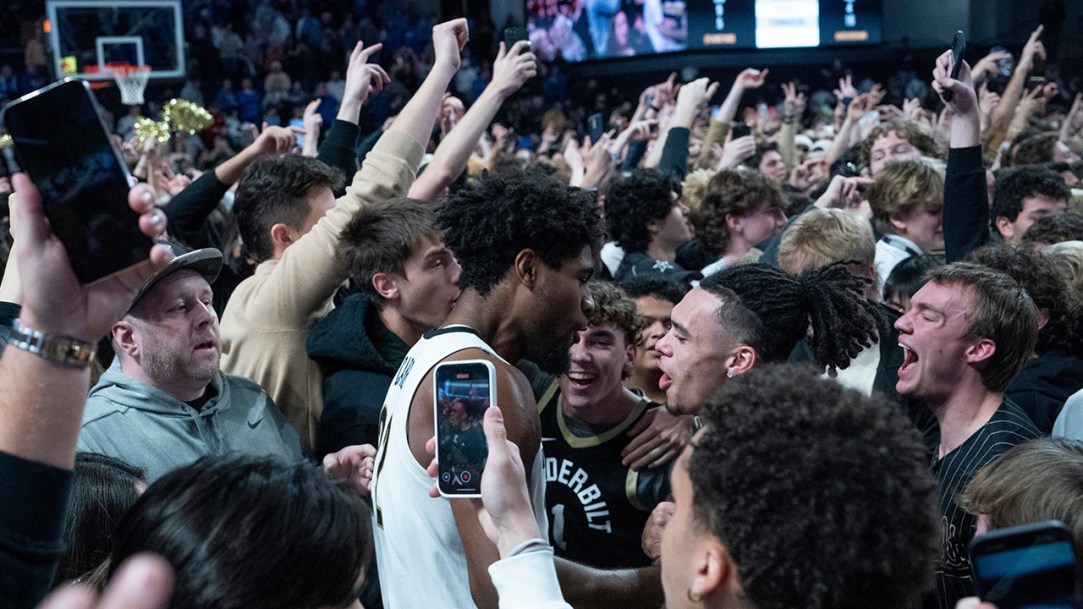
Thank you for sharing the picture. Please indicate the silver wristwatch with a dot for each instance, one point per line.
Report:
(49, 347)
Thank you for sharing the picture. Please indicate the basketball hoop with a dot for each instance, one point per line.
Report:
(131, 80)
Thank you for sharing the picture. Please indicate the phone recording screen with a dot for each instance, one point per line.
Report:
(463, 393)
(1042, 575)
(62, 145)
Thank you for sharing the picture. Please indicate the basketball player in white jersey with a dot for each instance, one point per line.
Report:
(526, 245)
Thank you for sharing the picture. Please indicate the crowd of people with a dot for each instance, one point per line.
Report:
(744, 355)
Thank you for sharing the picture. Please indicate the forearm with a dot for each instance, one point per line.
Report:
(716, 133)
(728, 110)
(419, 115)
(675, 153)
(841, 143)
(41, 404)
(786, 146)
(229, 171)
(1009, 100)
(187, 212)
(585, 586)
(450, 158)
(339, 148)
(966, 204)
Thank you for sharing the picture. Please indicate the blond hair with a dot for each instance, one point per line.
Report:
(822, 236)
(903, 185)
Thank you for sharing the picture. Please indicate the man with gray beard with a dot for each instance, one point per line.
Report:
(164, 402)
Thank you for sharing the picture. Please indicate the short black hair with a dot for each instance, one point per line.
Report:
(822, 496)
(274, 189)
(633, 201)
(249, 531)
(659, 287)
(490, 221)
(103, 490)
(1017, 183)
(782, 307)
(908, 276)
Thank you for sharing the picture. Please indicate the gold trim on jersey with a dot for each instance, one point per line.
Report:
(553, 391)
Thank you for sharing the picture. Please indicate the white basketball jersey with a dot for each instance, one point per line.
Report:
(418, 549)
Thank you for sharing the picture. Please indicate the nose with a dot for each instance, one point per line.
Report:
(587, 302)
(205, 315)
(578, 351)
(903, 324)
(663, 346)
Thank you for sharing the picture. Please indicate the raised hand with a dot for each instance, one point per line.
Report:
(513, 68)
(987, 66)
(1033, 48)
(846, 88)
(751, 78)
(364, 78)
(794, 103)
(448, 39)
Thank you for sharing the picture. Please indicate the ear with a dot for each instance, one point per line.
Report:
(124, 338)
(981, 351)
(733, 223)
(741, 360)
(654, 226)
(526, 267)
(385, 286)
(898, 222)
(1004, 227)
(1043, 317)
(629, 360)
(282, 235)
(716, 573)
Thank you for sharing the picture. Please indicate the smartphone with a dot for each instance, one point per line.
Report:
(740, 130)
(1027, 566)
(958, 47)
(595, 127)
(463, 391)
(62, 144)
(513, 35)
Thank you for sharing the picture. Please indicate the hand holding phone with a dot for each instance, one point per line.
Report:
(63, 146)
(595, 127)
(513, 35)
(463, 391)
(958, 47)
(1031, 565)
(740, 130)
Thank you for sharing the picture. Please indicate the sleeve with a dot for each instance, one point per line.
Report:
(675, 153)
(187, 212)
(312, 268)
(339, 148)
(786, 146)
(33, 507)
(528, 581)
(966, 203)
(716, 134)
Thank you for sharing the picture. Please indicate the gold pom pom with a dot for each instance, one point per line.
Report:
(147, 130)
(5, 141)
(183, 115)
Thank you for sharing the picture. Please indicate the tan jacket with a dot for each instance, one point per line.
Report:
(265, 324)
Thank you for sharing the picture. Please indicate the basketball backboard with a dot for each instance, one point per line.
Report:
(86, 35)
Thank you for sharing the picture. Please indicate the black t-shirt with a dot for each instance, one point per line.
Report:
(1008, 427)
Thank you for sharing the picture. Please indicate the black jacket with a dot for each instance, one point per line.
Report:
(1044, 384)
(357, 356)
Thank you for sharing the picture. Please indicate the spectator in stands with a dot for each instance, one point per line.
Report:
(897, 140)
(1054, 228)
(1024, 194)
(739, 210)
(655, 298)
(646, 218)
(907, 202)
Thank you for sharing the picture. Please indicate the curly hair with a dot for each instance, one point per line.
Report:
(1054, 228)
(273, 190)
(489, 222)
(694, 188)
(1041, 280)
(382, 236)
(900, 187)
(822, 496)
(918, 136)
(1017, 183)
(1003, 312)
(782, 307)
(733, 193)
(633, 201)
(613, 305)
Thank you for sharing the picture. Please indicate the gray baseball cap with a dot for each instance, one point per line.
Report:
(206, 262)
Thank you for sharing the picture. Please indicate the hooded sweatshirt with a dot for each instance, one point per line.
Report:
(357, 356)
(146, 427)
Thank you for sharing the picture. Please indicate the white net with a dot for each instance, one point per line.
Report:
(131, 80)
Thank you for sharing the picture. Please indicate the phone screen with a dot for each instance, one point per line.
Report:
(464, 391)
(513, 35)
(595, 127)
(1035, 569)
(741, 130)
(62, 145)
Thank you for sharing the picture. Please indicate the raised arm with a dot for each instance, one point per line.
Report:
(510, 71)
(419, 115)
(749, 78)
(363, 79)
(1013, 93)
(966, 207)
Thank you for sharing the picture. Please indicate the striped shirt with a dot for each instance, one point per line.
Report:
(1008, 427)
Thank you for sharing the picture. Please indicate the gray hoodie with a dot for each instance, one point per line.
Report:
(146, 427)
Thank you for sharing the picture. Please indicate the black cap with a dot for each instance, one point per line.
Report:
(206, 262)
(650, 267)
